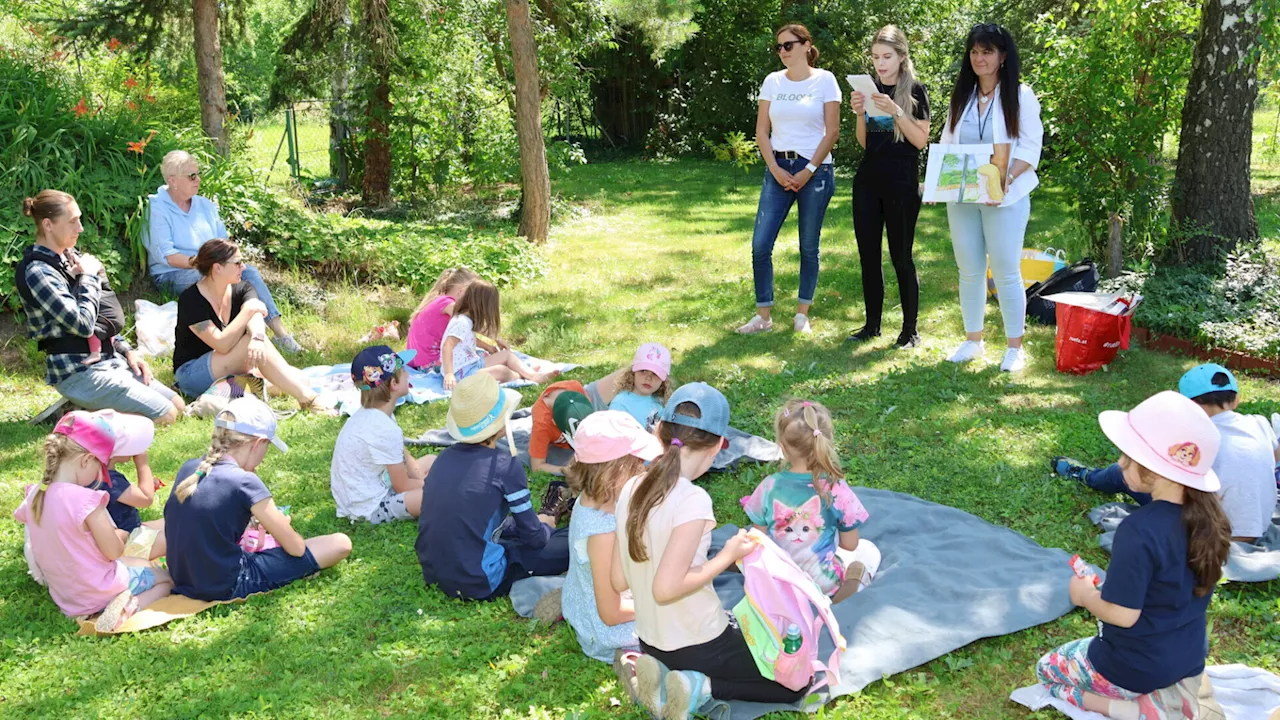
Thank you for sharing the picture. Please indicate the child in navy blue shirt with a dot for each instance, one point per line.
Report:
(479, 533)
(134, 435)
(1148, 658)
(212, 504)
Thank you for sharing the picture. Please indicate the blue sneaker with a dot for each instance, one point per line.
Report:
(1068, 468)
(687, 691)
(650, 690)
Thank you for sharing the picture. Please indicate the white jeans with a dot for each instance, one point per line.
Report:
(981, 231)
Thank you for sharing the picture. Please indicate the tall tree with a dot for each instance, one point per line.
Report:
(209, 75)
(1212, 196)
(535, 205)
(376, 20)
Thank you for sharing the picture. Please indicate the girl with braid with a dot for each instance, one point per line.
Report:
(212, 503)
(808, 509)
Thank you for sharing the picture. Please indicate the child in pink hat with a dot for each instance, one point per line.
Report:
(73, 540)
(1148, 657)
(134, 435)
(644, 388)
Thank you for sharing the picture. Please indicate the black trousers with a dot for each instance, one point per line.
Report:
(883, 205)
(728, 662)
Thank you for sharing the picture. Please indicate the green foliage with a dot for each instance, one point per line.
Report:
(1107, 133)
(665, 24)
(738, 150)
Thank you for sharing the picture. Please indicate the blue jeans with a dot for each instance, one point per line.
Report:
(775, 204)
(179, 279)
(1110, 479)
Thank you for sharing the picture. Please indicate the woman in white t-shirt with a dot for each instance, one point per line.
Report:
(796, 127)
(694, 650)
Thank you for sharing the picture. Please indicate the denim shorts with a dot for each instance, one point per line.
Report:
(469, 369)
(271, 569)
(141, 579)
(111, 384)
(196, 376)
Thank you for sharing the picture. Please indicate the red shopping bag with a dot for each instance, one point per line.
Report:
(1088, 339)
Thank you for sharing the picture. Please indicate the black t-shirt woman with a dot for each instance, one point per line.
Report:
(886, 195)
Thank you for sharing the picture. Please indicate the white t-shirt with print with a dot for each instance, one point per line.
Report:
(797, 110)
(1246, 466)
(465, 352)
(369, 442)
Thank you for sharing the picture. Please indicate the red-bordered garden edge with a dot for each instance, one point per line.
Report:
(1232, 359)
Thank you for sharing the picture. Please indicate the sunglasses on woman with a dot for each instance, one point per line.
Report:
(787, 45)
(193, 176)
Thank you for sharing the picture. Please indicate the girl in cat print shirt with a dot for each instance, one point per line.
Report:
(809, 510)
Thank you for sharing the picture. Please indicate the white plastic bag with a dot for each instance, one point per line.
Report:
(32, 568)
(155, 325)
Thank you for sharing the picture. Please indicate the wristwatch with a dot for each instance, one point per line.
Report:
(899, 113)
(811, 168)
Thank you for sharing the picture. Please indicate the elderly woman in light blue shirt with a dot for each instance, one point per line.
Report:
(180, 222)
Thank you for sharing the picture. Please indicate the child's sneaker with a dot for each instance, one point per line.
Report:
(687, 691)
(801, 324)
(116, 612)
(968, 351)
(548, 610)
(1068, 468)
(756, 324)
(557, 501)
(650, 690)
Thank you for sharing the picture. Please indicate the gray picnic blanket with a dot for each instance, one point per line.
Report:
(742, 446)
(1259, 562)
(946, 579)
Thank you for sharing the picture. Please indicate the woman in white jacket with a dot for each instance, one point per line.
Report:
(990, 105)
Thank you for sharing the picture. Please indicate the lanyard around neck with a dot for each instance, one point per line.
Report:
(982, 123)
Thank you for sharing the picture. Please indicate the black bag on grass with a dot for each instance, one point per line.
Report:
(1080, 277)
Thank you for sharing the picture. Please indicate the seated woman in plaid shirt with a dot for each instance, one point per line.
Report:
(76, 320)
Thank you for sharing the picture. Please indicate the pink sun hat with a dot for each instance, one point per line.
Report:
(1169, 435)
(610, 434)
(653, 357)
(91, 432)
(134, 433)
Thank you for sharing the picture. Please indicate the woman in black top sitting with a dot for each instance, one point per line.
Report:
(221, 329)
(886, 194)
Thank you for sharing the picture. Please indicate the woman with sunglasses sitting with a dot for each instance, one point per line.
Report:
(796, 126)
(221, 332)
(181, 222)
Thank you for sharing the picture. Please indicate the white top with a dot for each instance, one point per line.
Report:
(465, 352)
(797, 110)
(695, 618)
(1026, 146)
(369, 442)
(1246, 465)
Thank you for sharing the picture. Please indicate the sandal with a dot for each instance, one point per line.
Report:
(117, 611)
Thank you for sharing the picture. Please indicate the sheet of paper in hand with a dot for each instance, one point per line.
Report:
(969, 174)
(865, 85)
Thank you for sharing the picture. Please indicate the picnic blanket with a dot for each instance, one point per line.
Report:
(1258, 562)
(333, 384)
(166, 609)
(742, 446)
(1239, 692)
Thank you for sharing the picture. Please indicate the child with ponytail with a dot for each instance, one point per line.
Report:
(808, 510)
(74, 542)
(1148, 657)
(665, 524)
(211, 506)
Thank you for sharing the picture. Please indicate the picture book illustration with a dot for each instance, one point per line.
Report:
(967, 174)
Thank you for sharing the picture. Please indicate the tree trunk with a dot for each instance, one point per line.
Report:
(377, 145)
(1115, 245)
(209, 77)
(1211, 185)
(535, 200)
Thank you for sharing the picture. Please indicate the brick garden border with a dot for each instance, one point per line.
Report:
(1232, 359)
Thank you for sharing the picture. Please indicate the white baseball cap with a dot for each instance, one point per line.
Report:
(251, 416)
(1169, 435)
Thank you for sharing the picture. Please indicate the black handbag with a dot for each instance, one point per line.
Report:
(1078, 277)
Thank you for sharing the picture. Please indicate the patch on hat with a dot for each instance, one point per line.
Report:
(1186, 454)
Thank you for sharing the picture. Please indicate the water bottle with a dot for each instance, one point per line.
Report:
(791, 643)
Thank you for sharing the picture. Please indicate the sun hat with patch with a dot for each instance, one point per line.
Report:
(1169, 435)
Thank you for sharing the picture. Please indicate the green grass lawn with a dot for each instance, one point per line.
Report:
(313, 147)
(662, 253)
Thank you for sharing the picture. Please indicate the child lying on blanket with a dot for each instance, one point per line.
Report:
(1245, 463)
(75, 544)
(610, 448)
(1148, 657)
(645, 385)
(372, 476)
(808, 510)
(428, 321)
(479, 311)
(212, 503)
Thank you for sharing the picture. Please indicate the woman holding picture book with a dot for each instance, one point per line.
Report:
(990, 106)
(886, 188)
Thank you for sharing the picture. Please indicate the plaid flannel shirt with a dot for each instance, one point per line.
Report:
(64, 311)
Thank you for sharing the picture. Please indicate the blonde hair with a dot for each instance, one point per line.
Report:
(892, 37)
(58, 448)
(627, 382)
(601, 481)
(805, 432)
(449, 279)
(174, 161)
(225, 440)
(381, 393)
(483, 305)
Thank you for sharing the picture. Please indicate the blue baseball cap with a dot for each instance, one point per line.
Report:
(377, 363)
(710, 401)
(1199, 381)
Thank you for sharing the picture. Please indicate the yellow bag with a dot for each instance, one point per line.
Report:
(1037, 266)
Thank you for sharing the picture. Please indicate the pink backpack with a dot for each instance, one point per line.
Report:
(780, 594)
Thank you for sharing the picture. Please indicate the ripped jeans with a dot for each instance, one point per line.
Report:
(775, 204)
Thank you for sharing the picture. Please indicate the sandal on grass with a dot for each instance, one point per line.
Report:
(120, 608)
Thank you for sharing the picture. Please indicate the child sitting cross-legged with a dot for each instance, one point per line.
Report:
(428, 321)
(75, 544)
(479, 310)
(610, 447)
(372, 476)
(646, 385)
(808, 510)
(479, 533)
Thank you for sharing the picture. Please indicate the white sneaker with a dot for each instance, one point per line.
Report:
(756, 324)
(802, 324)
(1015, 359)
(969, 350)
